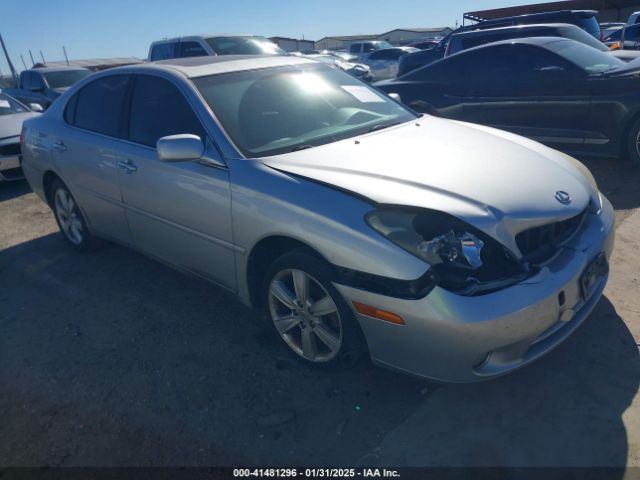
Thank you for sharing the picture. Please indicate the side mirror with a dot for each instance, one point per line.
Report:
(179, 148)
(396, 97)
(36, 107)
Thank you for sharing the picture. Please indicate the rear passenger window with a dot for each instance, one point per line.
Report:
(159, 109)
(99, 106)
(163, 51)
(192, 49)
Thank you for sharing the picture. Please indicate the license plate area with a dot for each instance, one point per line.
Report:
(597, 269)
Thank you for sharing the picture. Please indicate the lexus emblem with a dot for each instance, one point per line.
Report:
(563, 197)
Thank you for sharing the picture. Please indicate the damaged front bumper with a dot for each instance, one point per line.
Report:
(457, 338)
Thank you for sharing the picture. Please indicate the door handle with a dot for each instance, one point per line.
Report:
(59, 146)
(128, 166)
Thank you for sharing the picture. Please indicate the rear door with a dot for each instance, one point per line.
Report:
(179, 212)
(24, 93)
(86, 150)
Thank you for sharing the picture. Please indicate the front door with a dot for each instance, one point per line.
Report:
(179, 212)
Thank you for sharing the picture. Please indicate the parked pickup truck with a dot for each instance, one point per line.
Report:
(43, 85)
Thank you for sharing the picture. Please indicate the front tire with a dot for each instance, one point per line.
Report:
(69, 218)
(633, 143)
(309, 315)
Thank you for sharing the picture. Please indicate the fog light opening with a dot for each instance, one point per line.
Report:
(373, 312)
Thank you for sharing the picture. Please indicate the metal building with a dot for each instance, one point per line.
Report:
(404, 36)
(609, 10)
(293, 44)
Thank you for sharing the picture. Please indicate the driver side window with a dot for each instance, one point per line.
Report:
(159, 109)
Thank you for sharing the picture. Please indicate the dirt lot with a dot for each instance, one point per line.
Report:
(112, 359)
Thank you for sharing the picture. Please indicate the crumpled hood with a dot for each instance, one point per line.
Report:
(499, 182)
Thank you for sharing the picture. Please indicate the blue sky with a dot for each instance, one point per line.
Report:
(114, 28)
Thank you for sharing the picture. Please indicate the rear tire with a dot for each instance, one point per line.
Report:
(633, 143)
(69, 218)
(309, 315)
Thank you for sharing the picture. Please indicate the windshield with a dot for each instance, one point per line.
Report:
(347, 57)
(581, 36)
(279, 110)
(244, 46)
(9, 106)
(381, 45)
(589, 59)
(590, 25)
(65, 78)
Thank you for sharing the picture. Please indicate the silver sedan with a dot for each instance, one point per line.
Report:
(443, 249)
(384, 63)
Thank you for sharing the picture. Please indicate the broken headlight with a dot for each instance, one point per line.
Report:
(463, 258)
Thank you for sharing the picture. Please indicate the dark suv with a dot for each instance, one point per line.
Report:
(475, 38)
(585, 19)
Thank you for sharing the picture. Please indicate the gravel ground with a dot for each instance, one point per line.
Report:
(111, 359)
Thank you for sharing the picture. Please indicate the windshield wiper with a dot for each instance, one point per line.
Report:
(382, 126)
(301, 147)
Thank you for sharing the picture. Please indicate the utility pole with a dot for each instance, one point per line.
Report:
(31, 55)
(42, 56)
(25, 65)
(6, 54)
(65, 55)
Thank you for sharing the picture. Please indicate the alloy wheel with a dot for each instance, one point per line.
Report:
(68, 216)
(305, 315)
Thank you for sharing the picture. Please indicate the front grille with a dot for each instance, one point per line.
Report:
(10, 150)
(539, 244)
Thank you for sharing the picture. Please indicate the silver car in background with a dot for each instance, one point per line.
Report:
(384, 63)
(211, 45)
(358, 70)
(446, 250)
(12, 114)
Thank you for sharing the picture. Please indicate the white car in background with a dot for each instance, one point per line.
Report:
(12, 114)
(384, 63)
(212, 45)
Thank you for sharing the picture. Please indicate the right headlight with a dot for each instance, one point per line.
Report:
(463, 259)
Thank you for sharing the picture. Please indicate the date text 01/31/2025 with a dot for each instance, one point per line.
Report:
(315, 473)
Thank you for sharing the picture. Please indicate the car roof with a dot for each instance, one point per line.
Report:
(528, 26)
(212, 65)
(536, 41)
(203, 36)
(54, 69)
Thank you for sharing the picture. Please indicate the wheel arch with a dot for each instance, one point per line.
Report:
(47, 180)
(631, 119)
(263, 254)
